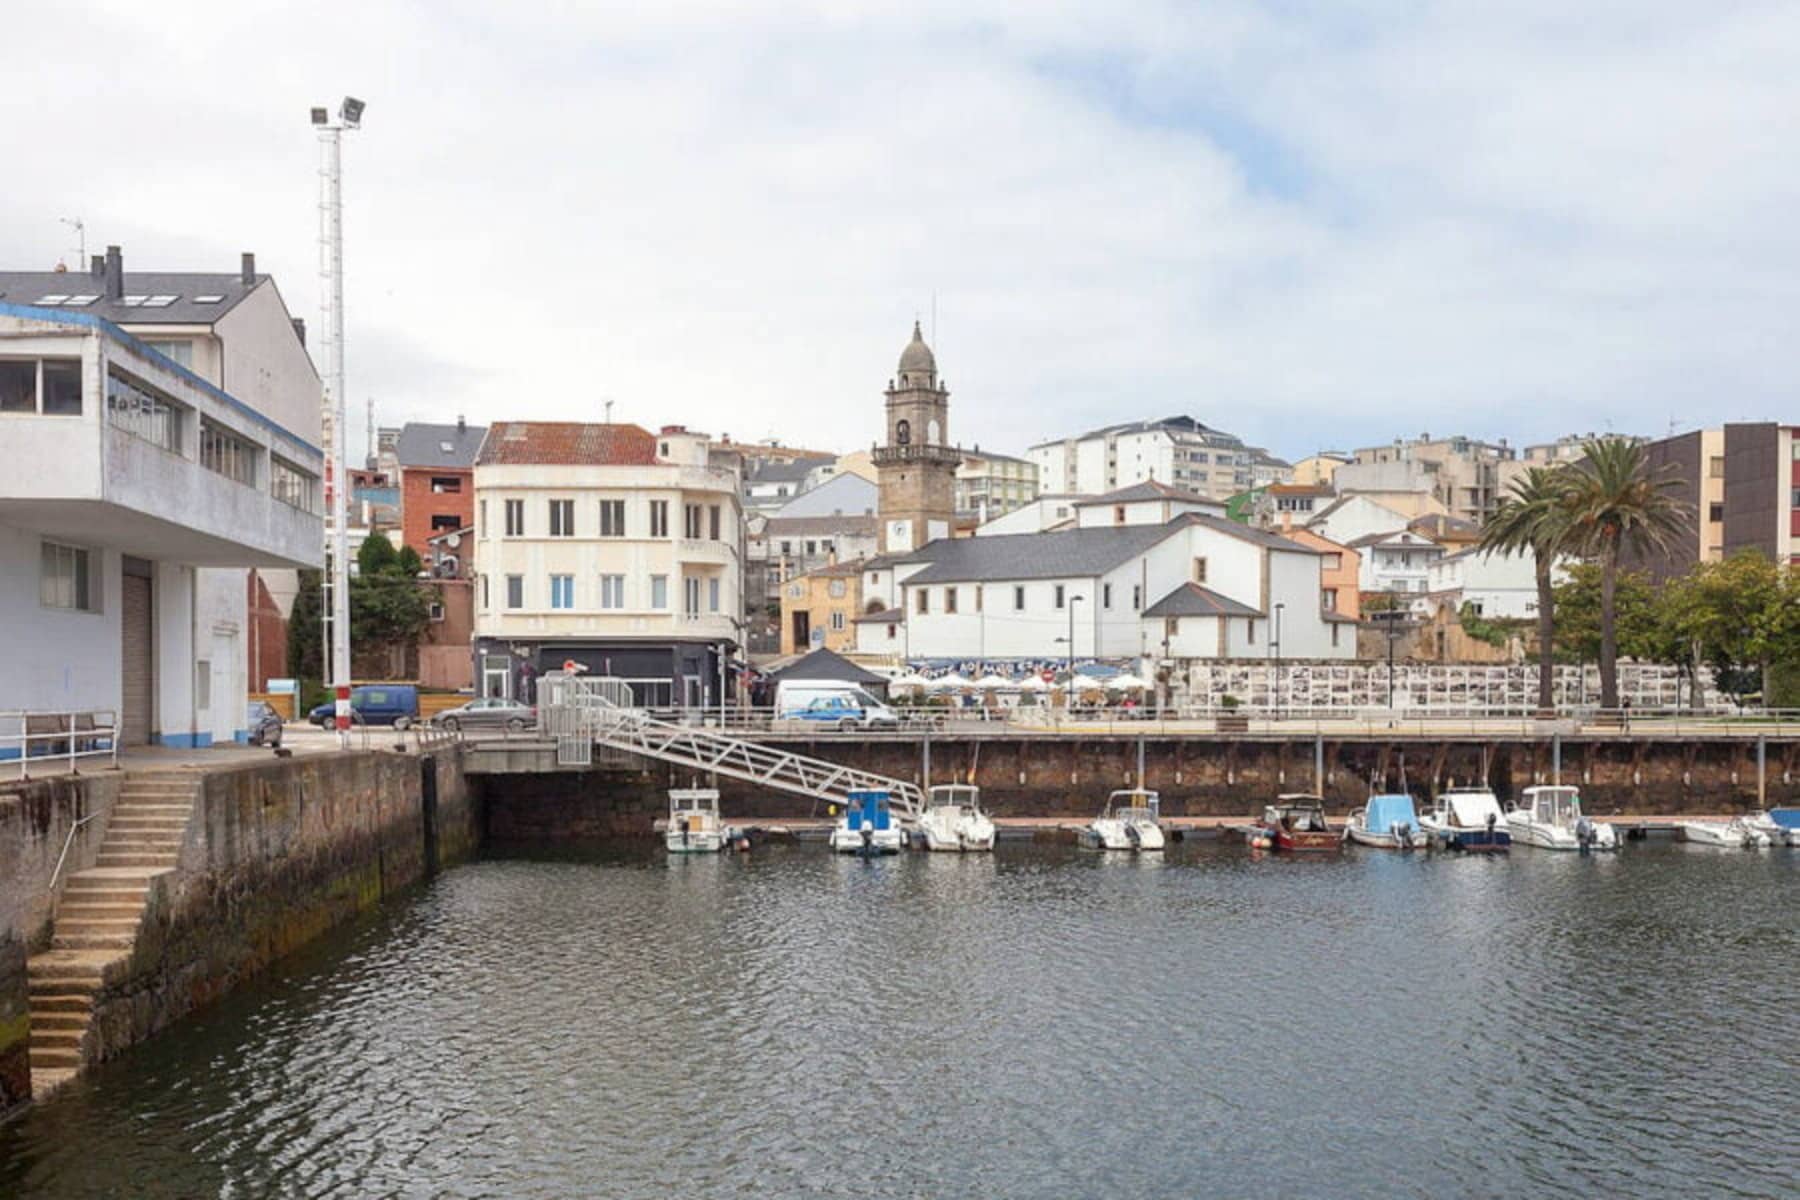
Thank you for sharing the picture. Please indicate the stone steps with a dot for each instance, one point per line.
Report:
(98, 918)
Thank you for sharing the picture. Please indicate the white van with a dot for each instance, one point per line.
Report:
(831, 704)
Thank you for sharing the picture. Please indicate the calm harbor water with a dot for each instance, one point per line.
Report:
(1040, 1023)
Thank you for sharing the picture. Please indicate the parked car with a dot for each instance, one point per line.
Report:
(395, 704)
(264, 724)
(492, 712)
(841, 705)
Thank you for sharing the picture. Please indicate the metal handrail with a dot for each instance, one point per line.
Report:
(67, 842)
(72, 734)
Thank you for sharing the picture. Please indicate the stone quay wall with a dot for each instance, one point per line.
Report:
(1207, 775)
(36, 819)
(277, 854)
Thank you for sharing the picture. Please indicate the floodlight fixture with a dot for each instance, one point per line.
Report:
(351, 111)
(320, 116)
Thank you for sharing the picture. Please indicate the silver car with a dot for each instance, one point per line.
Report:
(491, 712)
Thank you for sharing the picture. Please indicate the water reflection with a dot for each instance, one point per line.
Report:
(1039, 1022)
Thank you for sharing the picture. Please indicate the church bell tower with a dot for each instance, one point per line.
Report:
(916, 465)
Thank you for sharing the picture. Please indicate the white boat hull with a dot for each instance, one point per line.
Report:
(959, 836)
(1731, 835)
(1526, 832)
(1416, 840)
(1778, 835)
(703, 841)
(880, 841)
(1131, 836)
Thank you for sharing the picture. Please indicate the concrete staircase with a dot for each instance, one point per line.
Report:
(97, 920)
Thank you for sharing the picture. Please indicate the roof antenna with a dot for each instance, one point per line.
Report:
(608, 402)
(80, 229)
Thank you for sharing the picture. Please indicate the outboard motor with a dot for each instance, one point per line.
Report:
(1585, 836)
(1132, 835)
(1402, 834)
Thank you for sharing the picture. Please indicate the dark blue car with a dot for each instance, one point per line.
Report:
(395, 704)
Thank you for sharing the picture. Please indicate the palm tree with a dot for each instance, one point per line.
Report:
(1534, 519)
(1617, 502)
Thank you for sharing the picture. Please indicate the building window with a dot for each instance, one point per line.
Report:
(1250, 630)
(562, 591)
(1199, 570)
(1171, 627)
(902, 432)
(481, 518)
(837, 622)
(612, 591)
(50, 386)
(836, 589)
(1059, 596)
(659, 592)
(712, 595)
(893, 631)
(949, 599)
(1335, 626)
(446, 485)
(1118, 514)
(690, 522)
(812, 547)
(712, 522)
(922, 600)
(142, 411)
(484, 594)
(1137, 597)
(67, 579)
(223, 453)
(1715, 467)
(445, 523)
(691, 595)
(292, 486)
(978, 598)
(562, 518)
(435, 610)
(1334, 562)
(659, 518)
(612, 518)
(1018, 599)
(1106, 595)
(515, 591)
(1715, 512)
(1328, 599)
(515, 518)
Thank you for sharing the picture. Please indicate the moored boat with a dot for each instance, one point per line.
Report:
(1129, 822)
(694, 826)
(953, 819)
(1736, 834)
(1781, 824)
(1387, 822)
(867, 827)
(1297, 822)
(1550, 818)
(1468, 819)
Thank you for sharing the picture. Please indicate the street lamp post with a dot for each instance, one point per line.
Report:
(1073, 601)
(1391, 636)
(1276, 647)
(334, 422)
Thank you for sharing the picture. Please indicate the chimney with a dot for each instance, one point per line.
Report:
(97, 265)
(462, 423)
(300, 329)
(247, 269)
(115, 273)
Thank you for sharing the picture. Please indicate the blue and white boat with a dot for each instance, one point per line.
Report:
(1468, 819)
(1782, 825)
(1387, 822)
(867, 827)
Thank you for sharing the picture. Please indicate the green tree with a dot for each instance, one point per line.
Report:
(304, 660)
(375, 556)
(386, 609)
(1638, 620)
(408, 563)
(1534, 519)
(1738, 616)
(1618, 502)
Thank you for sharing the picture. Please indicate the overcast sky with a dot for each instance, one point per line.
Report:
(1310, 223)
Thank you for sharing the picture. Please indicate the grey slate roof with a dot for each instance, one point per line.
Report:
(28, 287)
(1193, 600)
(774, 470)
(828, 665)
(1149, 489)
(422, 445)
(1057, 555)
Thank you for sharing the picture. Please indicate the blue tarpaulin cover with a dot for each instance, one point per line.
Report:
(1385, 812)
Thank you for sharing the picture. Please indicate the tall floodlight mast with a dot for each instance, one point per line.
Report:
(336, 606)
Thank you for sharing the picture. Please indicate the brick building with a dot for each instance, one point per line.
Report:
(437, 480)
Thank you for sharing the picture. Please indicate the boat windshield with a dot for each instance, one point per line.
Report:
(1555, 805)
(952, 795)
(695, 800)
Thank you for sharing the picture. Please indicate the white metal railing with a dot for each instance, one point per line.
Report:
(60, 736)
(588, 709)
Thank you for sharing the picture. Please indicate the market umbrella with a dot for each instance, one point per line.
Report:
(1033, 683)
(910, 682)
(950, 683)
(995, 683)
(1126, 683)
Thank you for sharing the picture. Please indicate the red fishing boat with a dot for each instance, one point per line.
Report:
(1297, 822)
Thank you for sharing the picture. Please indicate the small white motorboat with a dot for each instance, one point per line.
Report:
(953, 819)
(694, 826)
(867, 827)
(1781, 824)
(1128, 823)
(1735, 834)
(1549, 817)
(1468, 818)
(1387, 822)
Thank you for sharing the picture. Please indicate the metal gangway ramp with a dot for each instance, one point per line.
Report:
(581, 712)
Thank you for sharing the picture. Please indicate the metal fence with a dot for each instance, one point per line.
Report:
(59, 737)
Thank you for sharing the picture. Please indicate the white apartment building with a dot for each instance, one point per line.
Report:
(161, 434)
(992, 485)
(1195, 586)
(1468, 476)
(1496, 585)
(1045, 513)
(612, 547)
(1175, 450)
(1397, 561)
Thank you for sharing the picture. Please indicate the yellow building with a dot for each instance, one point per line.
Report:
(1319, 468)
(820, 609)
